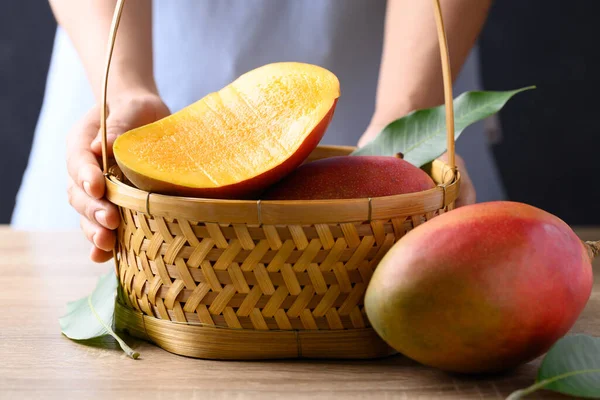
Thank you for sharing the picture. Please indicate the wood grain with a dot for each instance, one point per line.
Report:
(43, 271)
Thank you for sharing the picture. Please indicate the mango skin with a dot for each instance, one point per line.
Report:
(348, 177)
(483, 288)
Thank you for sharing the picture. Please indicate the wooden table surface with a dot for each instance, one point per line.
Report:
(41, 272)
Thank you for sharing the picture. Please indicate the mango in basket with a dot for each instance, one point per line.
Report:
(482, 288)
(348, 177)
(235, 142)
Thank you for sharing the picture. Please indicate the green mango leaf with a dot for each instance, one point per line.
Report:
(421, 135)
(571, 367)
(92, 316)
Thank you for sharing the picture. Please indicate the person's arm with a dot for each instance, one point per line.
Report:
(87, 23)
(410, 75)
(132, 101)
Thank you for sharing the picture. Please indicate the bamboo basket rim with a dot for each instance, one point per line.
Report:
(272, 212)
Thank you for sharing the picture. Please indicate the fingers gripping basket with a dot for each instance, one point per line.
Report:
(229, 279)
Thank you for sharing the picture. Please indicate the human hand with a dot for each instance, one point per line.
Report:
(86, 185)
(467, 193)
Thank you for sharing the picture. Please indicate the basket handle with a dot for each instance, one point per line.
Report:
(446, 73)
(447, 76)
(111, 46)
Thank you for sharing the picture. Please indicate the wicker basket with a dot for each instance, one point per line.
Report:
(226, 279)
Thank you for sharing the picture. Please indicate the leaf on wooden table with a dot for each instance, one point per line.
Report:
(571, 367)
(92, 316)
(421, 135)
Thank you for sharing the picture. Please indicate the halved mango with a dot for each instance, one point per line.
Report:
(235, 142)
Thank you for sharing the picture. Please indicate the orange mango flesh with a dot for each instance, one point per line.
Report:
(236, 141)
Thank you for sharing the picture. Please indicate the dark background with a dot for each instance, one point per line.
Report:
(26, 37)
(548, 153)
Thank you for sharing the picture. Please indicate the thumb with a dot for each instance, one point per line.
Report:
(126, 115)
(110, 139)
(116, 125)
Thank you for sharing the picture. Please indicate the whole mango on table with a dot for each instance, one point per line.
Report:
(482, 288)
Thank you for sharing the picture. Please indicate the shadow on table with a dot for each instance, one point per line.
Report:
(416, 377)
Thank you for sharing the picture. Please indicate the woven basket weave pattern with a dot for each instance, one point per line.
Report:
(253, 277)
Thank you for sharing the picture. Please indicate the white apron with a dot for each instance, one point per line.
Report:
(199, 47)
